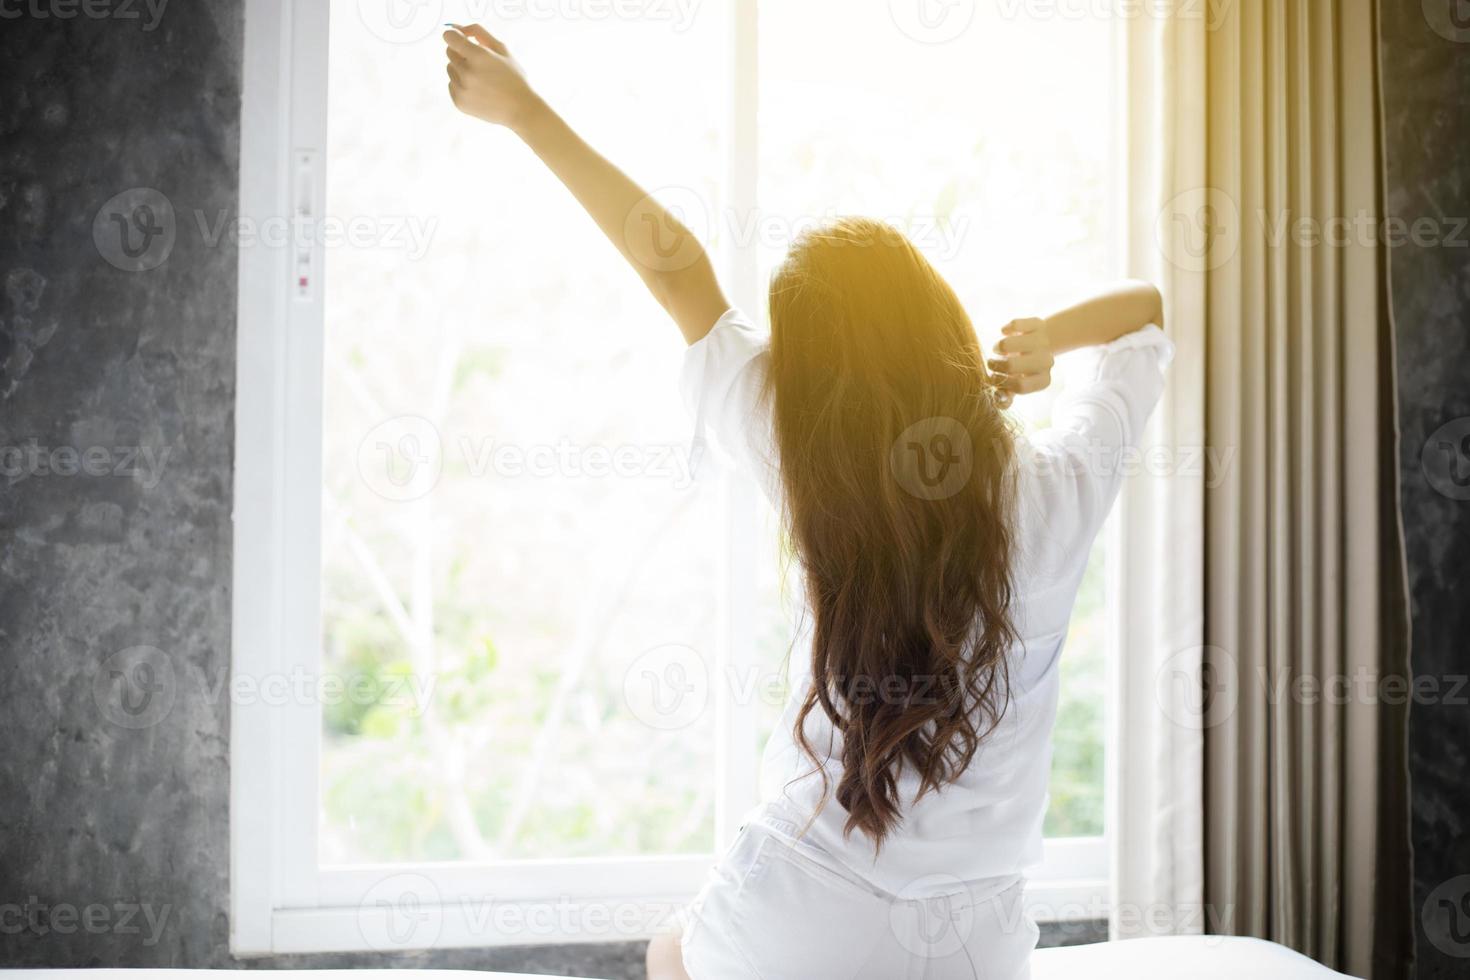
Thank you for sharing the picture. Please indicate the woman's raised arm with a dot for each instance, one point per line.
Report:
(1022, 360)
(1107, 315)
(486, 82)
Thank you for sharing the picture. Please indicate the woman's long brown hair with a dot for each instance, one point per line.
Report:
(897, 490)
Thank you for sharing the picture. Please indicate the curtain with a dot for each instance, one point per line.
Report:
(1155, 823)
(1305, 778)
(1269, 778)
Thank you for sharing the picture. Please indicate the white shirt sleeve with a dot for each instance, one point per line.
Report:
(723, 384)
(1072, 472)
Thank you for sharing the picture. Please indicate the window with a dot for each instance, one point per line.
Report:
(502, 666)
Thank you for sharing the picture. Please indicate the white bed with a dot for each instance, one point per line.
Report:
(1165, 958)
(1179, 958)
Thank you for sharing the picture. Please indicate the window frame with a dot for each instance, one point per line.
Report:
(282, 899)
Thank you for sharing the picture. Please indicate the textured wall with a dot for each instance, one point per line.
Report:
(115, 423)
(1426, 59)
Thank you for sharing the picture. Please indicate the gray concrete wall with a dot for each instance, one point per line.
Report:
(116, 390)
(1426, 83)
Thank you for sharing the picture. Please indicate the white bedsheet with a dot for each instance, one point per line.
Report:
(1164, 958)
(149, 974)
(1178, 958)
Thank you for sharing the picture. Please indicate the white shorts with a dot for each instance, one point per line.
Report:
(775, 908)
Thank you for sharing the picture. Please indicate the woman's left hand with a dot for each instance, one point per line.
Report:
(484, 80)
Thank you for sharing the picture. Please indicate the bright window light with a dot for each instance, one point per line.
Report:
(509, 516)
(559, 652)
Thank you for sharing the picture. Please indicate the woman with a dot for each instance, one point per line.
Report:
(940, 553)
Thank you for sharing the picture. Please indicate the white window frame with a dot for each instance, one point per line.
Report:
(282, 899)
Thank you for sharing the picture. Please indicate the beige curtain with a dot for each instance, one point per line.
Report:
(1304, 769)
(1261, 776)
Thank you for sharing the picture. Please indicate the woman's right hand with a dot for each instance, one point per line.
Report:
(484, 80)
(1023, 358)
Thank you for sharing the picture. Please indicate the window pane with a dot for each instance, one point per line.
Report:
(508, 514)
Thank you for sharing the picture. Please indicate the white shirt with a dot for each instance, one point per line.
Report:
(987, 823)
